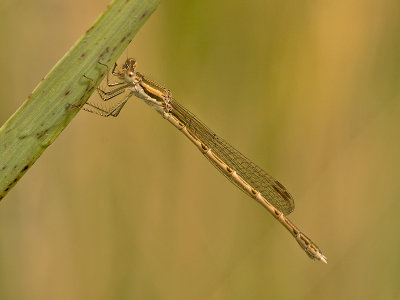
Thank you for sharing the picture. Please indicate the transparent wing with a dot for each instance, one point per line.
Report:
(270, 188)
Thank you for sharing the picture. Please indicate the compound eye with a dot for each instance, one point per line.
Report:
(130, 74)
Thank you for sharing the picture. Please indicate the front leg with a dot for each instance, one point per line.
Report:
(105, 96)
(113, 72)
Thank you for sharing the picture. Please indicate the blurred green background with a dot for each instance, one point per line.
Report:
(127, 208)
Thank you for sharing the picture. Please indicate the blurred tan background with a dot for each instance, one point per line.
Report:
(127, 208)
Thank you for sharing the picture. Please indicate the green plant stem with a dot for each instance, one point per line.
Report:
(55, 101)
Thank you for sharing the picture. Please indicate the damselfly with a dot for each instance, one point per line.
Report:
(235, 166)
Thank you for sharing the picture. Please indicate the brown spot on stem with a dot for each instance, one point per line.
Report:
(90, 28)
(40, 134)
(143, 15)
